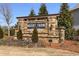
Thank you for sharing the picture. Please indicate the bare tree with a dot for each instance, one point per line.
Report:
(5, 11)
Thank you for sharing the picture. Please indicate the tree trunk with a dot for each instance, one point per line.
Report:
(50, 44)
(8, 31)
(35, 45)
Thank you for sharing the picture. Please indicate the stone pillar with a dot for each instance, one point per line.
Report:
(16, 30)
(61, 34)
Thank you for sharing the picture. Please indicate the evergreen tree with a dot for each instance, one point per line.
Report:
(12, 32)
(43, 10)
(77, 32)
(1, 33)
(32, 13)
(35, 36)
(19, 34)
(65, 19)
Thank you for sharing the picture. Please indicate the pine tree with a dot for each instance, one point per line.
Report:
(35, 36)
(32, 13)
(77, 32)
(43, 10)
(65, 19)
(19, 34)
(1, 33)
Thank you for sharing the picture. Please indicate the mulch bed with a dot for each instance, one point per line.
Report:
(67, 45)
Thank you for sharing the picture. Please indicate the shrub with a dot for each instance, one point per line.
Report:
(1, 33)
(35, 36)
(19, 34)
(12, 32)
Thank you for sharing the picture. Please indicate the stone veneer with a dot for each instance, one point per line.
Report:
(50, 32)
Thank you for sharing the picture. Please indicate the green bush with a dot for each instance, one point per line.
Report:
(12, 32)
(1, 33)
(19, 34)
(35, 36)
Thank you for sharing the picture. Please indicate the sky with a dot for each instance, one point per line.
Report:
(23, 9)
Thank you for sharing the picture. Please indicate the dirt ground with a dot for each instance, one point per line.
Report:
(24, 51)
